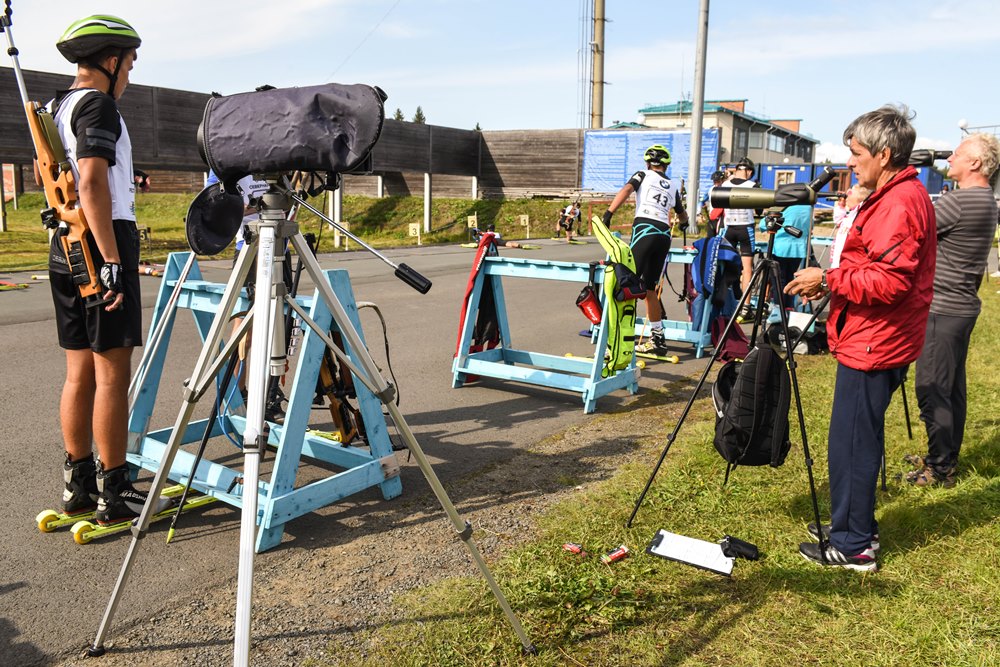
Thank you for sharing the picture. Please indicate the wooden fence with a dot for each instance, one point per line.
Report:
(163, 126)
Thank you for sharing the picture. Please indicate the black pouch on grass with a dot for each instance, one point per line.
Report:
(751, 400)
(629, 286)
(331, 128)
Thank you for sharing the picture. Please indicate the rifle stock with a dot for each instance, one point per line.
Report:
(59, 184)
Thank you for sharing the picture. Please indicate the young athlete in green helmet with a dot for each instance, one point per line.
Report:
(655, 196)
(98, 340)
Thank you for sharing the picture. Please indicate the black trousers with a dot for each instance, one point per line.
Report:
(940, 385)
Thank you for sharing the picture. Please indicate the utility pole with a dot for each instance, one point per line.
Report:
(697, 112)
(597, 77)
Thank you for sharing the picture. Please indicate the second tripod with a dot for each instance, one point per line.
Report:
(765, 277)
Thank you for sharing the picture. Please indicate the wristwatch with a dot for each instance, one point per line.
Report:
(822, 282)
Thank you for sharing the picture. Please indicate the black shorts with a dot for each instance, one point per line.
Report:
(94, 328)
(650, 247)
(742, 238)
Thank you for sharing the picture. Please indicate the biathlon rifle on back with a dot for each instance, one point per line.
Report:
(53, 169)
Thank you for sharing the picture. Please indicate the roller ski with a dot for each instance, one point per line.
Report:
(639, 363)
(81, 495)
(52, 520)
(669, 358)
(85, 532)
(656, 348)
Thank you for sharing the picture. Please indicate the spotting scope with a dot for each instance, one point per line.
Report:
(925, 157)
(789, 194)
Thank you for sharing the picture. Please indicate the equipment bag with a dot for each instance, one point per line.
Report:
(588, 300)
(621, 314)
(751, 401)
(735, 346)
(628, 286)
(330, 127)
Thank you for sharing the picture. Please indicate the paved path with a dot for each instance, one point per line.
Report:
(53, 592)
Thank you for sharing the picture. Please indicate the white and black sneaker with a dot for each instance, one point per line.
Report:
(875, 546)
(119, 500)
(864, 561)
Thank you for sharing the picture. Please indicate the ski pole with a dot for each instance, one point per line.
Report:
(209, 425)
(5, 23)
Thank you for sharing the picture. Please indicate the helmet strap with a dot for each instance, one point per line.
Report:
(112, 76)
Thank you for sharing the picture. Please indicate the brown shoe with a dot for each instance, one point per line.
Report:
(915, 460)
(927, 476)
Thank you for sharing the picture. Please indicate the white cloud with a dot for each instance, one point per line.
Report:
(934, 144)
(836, 153)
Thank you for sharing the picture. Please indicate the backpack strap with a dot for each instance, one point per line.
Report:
(778, 435)
(761, 373)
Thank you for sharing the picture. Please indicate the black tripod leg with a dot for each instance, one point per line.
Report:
(790, 356)
(884, 487)
(694, 394)
(906, 408)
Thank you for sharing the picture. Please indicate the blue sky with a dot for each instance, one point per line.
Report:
(515, 64)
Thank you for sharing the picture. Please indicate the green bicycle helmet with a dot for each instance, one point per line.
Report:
(92, 35)
(657, 154)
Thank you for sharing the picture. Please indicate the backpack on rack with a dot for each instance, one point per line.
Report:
(751, 399)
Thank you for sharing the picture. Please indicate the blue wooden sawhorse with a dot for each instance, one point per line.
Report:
(278, 499)
(581, 375)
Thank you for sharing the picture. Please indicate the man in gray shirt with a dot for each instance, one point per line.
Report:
(966, 223)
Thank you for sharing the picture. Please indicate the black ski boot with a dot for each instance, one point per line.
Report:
(119, 500)
(80, 493)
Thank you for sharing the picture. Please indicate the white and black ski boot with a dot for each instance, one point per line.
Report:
(119, 500)
(80, 493)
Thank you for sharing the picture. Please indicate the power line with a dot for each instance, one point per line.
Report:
(365, 39)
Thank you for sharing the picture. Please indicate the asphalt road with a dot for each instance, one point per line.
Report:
(53, 591)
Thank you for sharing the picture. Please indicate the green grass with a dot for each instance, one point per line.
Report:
(379, 222)
(935, 601)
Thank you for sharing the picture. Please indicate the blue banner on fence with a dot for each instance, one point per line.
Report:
(610, 157)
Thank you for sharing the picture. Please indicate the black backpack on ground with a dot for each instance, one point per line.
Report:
(752, 398)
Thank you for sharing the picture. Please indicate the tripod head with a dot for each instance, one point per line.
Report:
(775, 222)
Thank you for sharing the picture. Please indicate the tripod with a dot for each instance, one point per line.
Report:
(765, 275)
(267, 358)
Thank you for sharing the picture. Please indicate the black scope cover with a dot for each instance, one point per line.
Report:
(330, 127)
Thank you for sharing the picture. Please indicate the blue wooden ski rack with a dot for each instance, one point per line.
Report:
(278, 499)
(581, 375)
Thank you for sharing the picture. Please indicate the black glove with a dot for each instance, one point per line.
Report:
(111, 277)
(682, 225)
(607, 218)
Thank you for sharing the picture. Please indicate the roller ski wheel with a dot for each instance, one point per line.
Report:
(46, 520)
(85, 532)
(49, 521)
(669, 358)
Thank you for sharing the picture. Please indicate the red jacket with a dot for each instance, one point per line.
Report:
(881, 292)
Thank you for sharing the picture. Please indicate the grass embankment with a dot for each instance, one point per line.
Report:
(380, 222)
(935, 601)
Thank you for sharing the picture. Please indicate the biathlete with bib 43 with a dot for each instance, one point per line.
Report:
(655, 197)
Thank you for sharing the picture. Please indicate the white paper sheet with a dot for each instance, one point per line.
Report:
(706, 555)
